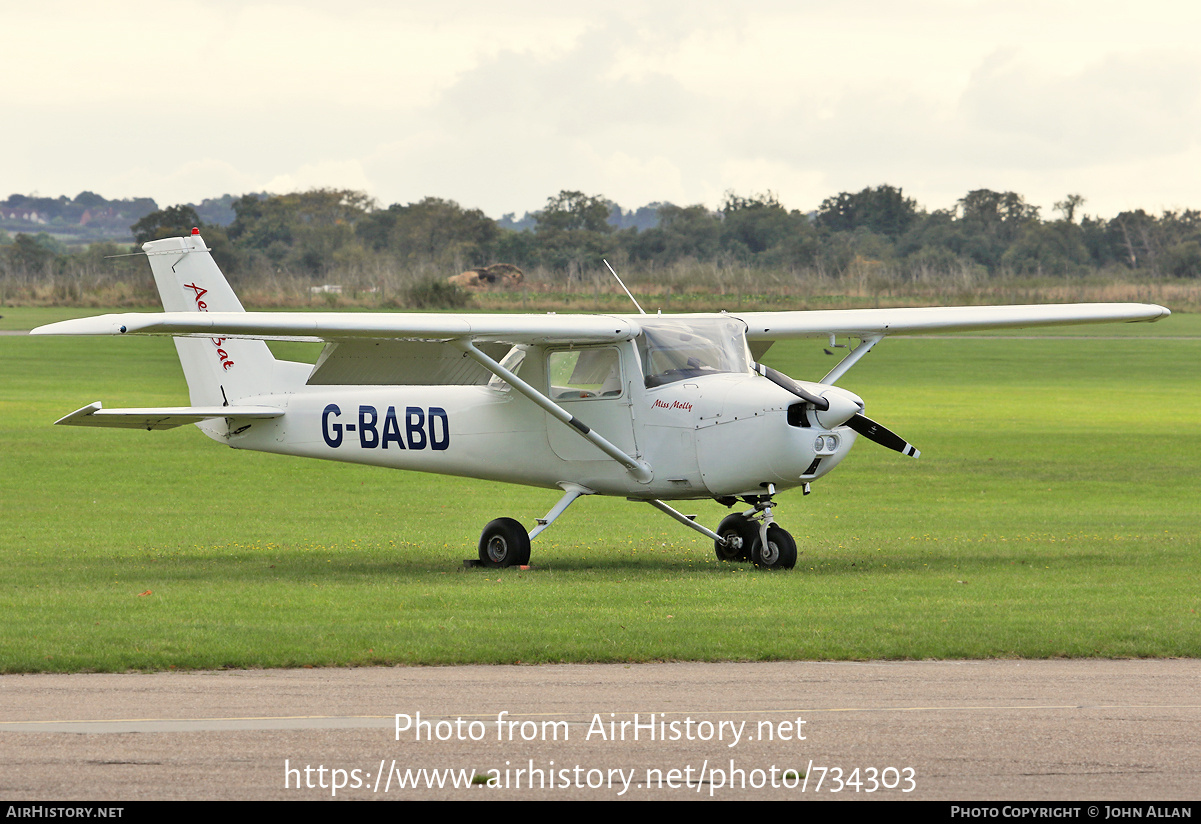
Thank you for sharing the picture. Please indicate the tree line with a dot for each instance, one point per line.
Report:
(998, 232)
(328, 235)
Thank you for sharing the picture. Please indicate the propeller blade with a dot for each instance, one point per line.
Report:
(784, 382)
(882, 435)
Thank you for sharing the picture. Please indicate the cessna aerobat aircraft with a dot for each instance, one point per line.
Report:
(654, 408)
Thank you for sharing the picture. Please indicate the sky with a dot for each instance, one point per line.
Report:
(500, 106)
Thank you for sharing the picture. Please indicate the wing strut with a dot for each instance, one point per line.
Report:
(852, 358)
(641, 470)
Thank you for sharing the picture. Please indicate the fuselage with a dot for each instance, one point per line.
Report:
(708, 434)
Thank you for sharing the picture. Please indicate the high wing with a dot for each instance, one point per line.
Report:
(873, 325)
(419, 350)
(332, 326)
(552, 328)
(864, 323)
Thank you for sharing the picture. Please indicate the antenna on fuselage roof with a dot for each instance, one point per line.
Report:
(641, 311)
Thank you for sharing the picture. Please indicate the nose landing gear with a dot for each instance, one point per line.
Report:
(754, 536)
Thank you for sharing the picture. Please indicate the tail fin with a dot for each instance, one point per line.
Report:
(219, 371)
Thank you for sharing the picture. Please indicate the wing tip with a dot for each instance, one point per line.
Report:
(82, 412)
(95, 325)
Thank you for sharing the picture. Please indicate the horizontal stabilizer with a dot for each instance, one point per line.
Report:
(165, 417)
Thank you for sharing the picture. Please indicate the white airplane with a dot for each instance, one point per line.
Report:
(654, 408)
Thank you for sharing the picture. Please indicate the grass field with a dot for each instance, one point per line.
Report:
(1054, 512)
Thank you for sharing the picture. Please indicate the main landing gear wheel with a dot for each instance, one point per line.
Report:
(736, 526)
(504, 543)
(779, 553)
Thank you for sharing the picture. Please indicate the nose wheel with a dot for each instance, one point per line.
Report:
(778, 552)
(754, 536)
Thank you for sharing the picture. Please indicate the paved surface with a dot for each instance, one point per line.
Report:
(1005, 730)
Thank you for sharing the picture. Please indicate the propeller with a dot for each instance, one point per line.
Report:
(784, 382)
(843, 408)
(882, 435)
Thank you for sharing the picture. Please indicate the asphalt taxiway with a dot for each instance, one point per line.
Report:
(1085, 730)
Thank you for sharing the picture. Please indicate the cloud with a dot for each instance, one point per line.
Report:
(500, 107)
(329, 174)
(1129, 107)
(525, 125)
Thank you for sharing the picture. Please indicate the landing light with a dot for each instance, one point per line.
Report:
(826, 443)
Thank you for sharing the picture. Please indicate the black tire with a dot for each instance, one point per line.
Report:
(743, 527)
(780, 552)
(504, 543)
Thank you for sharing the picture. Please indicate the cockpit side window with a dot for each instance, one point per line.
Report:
(677, 350)
(584, 373)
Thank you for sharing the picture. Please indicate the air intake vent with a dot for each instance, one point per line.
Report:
(797, 416)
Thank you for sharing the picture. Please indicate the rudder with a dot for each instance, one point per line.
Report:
(219, 371)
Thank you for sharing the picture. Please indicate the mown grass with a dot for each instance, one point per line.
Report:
(1054, 512)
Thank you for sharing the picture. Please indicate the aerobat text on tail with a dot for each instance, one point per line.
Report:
(652, 408)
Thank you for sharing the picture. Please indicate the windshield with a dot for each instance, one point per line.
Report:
(674, 350)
